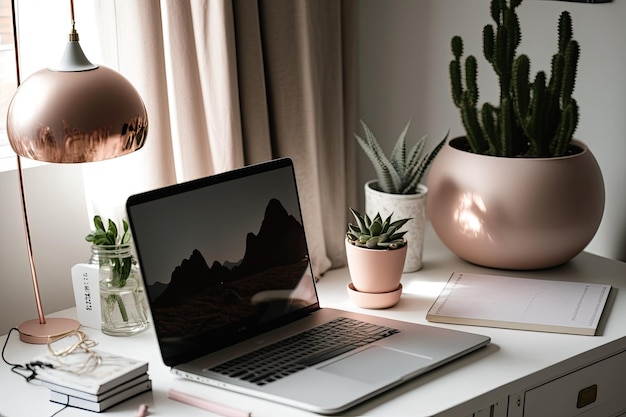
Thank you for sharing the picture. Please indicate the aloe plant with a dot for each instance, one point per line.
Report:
(534, 118)
(376, 233)
(401, 172)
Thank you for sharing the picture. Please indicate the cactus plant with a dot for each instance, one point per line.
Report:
(376, 233)
(534, 118)
(400, 172)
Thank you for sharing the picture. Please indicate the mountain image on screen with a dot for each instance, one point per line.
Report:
(201, 297)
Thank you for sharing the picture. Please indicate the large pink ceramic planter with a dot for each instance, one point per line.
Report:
(515, 213)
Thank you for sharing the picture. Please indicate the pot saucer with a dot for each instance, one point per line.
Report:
(374, 300)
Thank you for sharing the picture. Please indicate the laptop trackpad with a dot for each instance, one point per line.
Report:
(377, 364)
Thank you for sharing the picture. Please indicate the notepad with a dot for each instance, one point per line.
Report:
(520, 303)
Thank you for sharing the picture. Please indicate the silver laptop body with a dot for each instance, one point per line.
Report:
(227, 272)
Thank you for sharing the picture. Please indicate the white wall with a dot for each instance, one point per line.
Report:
(404, 54)
(57, 213)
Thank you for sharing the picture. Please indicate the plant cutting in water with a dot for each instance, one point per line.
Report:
(120, 266)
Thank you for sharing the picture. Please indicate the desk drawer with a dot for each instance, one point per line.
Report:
(597, 388)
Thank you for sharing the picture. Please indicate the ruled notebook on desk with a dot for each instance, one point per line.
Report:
(520, 303)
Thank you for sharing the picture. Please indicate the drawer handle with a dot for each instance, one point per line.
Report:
(587, 396)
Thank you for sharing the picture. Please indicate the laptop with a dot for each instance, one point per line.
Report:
(232, 294)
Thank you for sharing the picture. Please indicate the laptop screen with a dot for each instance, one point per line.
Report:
(223, 258)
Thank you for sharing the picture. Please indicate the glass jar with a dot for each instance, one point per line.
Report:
(122, 296)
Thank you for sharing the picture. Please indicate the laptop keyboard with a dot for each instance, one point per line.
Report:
(275, 361)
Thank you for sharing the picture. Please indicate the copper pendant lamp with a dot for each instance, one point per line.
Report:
(73, 112)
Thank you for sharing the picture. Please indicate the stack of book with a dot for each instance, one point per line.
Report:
(77, 380)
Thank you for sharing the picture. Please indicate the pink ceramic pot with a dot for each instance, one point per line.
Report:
(373, 270)
(515, 213)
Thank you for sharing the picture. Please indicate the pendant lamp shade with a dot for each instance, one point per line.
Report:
(78, 112)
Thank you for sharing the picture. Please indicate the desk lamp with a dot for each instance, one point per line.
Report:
(71, 113)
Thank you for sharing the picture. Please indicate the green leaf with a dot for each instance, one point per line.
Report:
(397, 237)
(372, 243)
(360, 221)
(354, 229)
(399, 223)
(110, 235)
(376, 228)
(97, 221)
(112, 232)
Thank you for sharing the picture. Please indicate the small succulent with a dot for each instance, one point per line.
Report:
(401, 171)
(376, 233)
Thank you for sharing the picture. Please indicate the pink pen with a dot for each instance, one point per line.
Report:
(211, 406)
(142, 411)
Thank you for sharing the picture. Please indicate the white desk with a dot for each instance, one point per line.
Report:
(494, 379)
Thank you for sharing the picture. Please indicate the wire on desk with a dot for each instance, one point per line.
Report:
(66, 405)
(25, 371)
(29, 367)
(82, 344)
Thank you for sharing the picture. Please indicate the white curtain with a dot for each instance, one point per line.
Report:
(234, 82)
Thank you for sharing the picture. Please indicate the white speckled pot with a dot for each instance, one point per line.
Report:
(402, 206)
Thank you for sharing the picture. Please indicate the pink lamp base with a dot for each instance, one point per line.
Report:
(32, 331)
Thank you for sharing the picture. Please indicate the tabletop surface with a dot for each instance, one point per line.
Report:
(507, 365)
